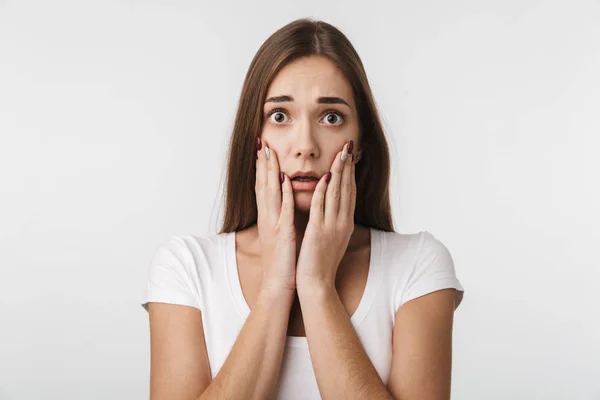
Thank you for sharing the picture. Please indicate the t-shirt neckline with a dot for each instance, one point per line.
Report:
(373, 278)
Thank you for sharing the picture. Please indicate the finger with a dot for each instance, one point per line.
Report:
(354, 192)
(273, 183)
(287, 204)
(332, 196)
(346, 188)
(317, 201)
(260, 186)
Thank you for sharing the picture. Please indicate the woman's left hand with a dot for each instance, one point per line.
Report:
(330, 224)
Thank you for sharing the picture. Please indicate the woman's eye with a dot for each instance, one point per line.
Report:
(279, 116)
(331, 117)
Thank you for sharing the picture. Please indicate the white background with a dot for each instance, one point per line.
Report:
(114, 121)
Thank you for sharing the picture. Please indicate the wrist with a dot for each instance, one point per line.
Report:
(314, 287)
(276, 294)
(315, 280)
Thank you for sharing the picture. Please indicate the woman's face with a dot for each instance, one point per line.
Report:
(311, 124)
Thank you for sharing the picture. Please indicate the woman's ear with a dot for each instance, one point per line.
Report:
(357, 156)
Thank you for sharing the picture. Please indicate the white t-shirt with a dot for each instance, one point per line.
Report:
(201, 272)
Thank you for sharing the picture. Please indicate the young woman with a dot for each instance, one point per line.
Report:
(307, 291)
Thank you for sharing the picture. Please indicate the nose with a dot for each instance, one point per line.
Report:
(304, 142)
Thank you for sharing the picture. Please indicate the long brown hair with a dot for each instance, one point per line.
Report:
(301, 38)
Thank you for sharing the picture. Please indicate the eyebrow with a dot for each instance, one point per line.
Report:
(320, 100)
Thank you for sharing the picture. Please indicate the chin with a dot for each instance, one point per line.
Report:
(302, 200)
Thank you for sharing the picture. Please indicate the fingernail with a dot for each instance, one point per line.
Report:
(258, 144)
(281, 177)
(267, 153)
(350, 146)
(328, 177)
(344, 155)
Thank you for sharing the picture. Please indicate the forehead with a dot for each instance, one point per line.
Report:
(309, 78)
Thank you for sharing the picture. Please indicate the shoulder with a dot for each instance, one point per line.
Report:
(397, 244)
(433, 254)
(416, 244)
(181, 268)
(418, 263)
(190, 251)
(189, 243)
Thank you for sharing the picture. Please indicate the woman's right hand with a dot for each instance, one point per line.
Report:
(275, 203)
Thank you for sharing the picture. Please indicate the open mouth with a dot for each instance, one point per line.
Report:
(305, 179)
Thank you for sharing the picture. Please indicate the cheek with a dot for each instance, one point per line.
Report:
(275, 142)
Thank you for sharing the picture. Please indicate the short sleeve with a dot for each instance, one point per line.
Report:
(433, 270)
(170, 275)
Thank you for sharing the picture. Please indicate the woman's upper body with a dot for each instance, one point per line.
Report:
(218, 276)
(305, 98)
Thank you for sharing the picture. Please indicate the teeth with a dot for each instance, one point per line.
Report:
(304, 178)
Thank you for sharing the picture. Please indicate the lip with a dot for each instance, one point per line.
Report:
(305, 173)
(309, 185)
(300, 186)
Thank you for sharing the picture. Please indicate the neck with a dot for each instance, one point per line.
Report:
(359, 236)
(300, 223)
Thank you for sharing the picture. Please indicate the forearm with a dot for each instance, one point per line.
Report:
(251, 369)
(341, 365)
